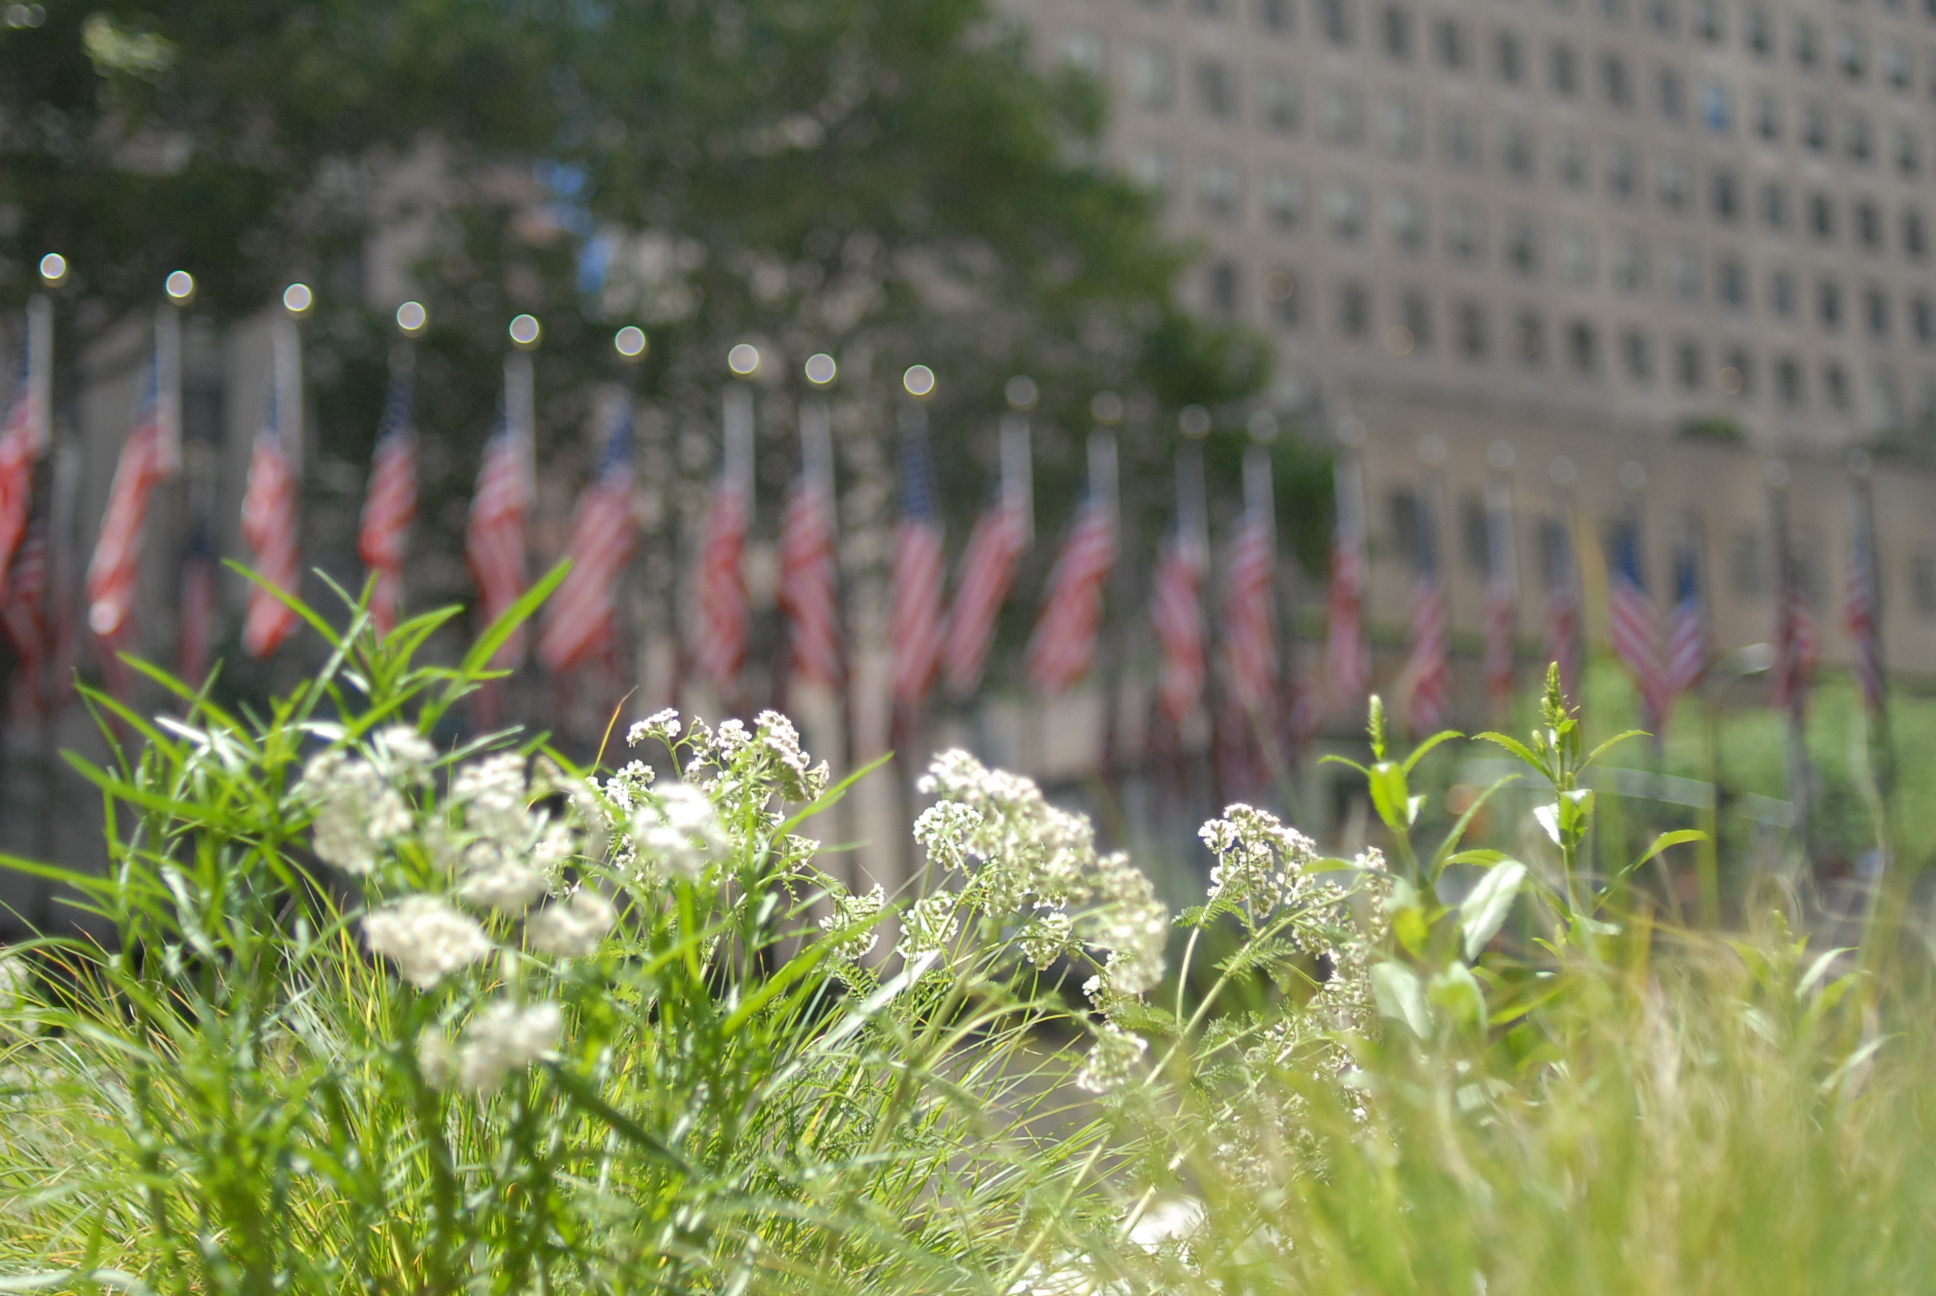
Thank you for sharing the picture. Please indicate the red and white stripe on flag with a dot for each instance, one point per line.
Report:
(494, 537)
(719, 647)
(915, 620)
(1687, 648)
(1347, 655)
(1500, 616)
(580, 618)
(808, 593)
(1251, 638)
(1064, 643)
(269, 529)
(1176, 608)
(23, 614)
(1636, 641)
(986, 576)
(19, 449)
(116, 565)
(1427, 667)
(1859, 614)
(1797, 649)
(388, 510)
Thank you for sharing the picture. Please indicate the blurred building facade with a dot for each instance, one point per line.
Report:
(1577, 226)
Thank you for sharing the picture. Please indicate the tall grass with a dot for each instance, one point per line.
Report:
(383, 1017)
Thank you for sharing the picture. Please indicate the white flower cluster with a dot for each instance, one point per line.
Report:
(855, 910)
(360, 808)
(676, 829)
(1111, 1060)
(427, 937)
(1261, 861)
(1028, 860)
(928, 925)
(573, 928)
(501, 1038)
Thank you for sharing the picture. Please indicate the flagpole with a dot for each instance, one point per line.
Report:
(1106, 409)
(1260, 508)
(1790, 665)
(62, 477)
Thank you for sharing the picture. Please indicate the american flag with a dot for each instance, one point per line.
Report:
(720, 645)
(1064, 643)
(269, 525)
(494, 534)
(23, 439)
(1797, 649)
(1347, 654)
(1176, 607)
(24, 616)
(582, 616)
(808, 591)
(1427, 665)
(147, 458)
(915, 619)
(1635, 626)
(196, 636)
(982, 584)
(390, 505)
(1687, 633)
(1859, 601)
(1250, 644)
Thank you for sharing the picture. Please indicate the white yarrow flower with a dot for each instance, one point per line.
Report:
(663, 725)
(496, 879)
(679, 826)
(572, 929)
(852, 911)
(357, 811)
(427, 937)
(506, 1037)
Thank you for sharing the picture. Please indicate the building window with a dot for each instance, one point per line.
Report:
(1767, 116)
(1673, 94)
(1761, 32)
(1217, 89)
(1337, 20)
(1576, 255)
(1155, 170)
(1522, 246)
(1861, 139)
(1623, 172)
(1570, 161)
(1666, 16)
(1220, 188)
(1276, 15)
(1774, 205)
(1717, 106)
(1922, 319)
(1630, 265)
(1733, 284)
(1280, 290)
(1564, 62)
(1459, 139)
(1583, 347)
(1850, 52)
(1897, 66)
(1509, 57)
(1284, 199)
(1638, 351)
(1615, 12)
(1676, 183)
(1875, 306)
(1529, 339)
(1151, 74)
(1406, 214)
(1868, 225)
(1828, 304)
(1821, 215)
(1516, 149)
(1727, 195)
(1684, 272)
(1354, 311)
(1416, 312)
(1619, 85)
(1278, 101)
(1835, 385)
(1909, 151)
(1707, 21)
(1788, 383)
(1454, 44)
(1397, 27)
(1737, 375)
(1687, 364)
(1341, 115)
(1344, 208)
(1781, 293)
(1223, 289)
(1815, 126)
(1472, 331)
(1808, 45)
(1213, 8)
(1465, 231)
(1403, 127)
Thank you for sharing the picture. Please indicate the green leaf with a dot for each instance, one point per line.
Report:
(1612, 742)
(1440, 856)
(831, 797)
(1678, 837)
(1549, 819)
(288, 600)
(1418, 752)
(500, 631)
(1516, 747)
(1400, 997)
(1389, 796)
(1484, 857)
(1485, 910)
(1335, 759)
(1459, 993)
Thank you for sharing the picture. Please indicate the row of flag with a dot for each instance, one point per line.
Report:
(941, 630)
